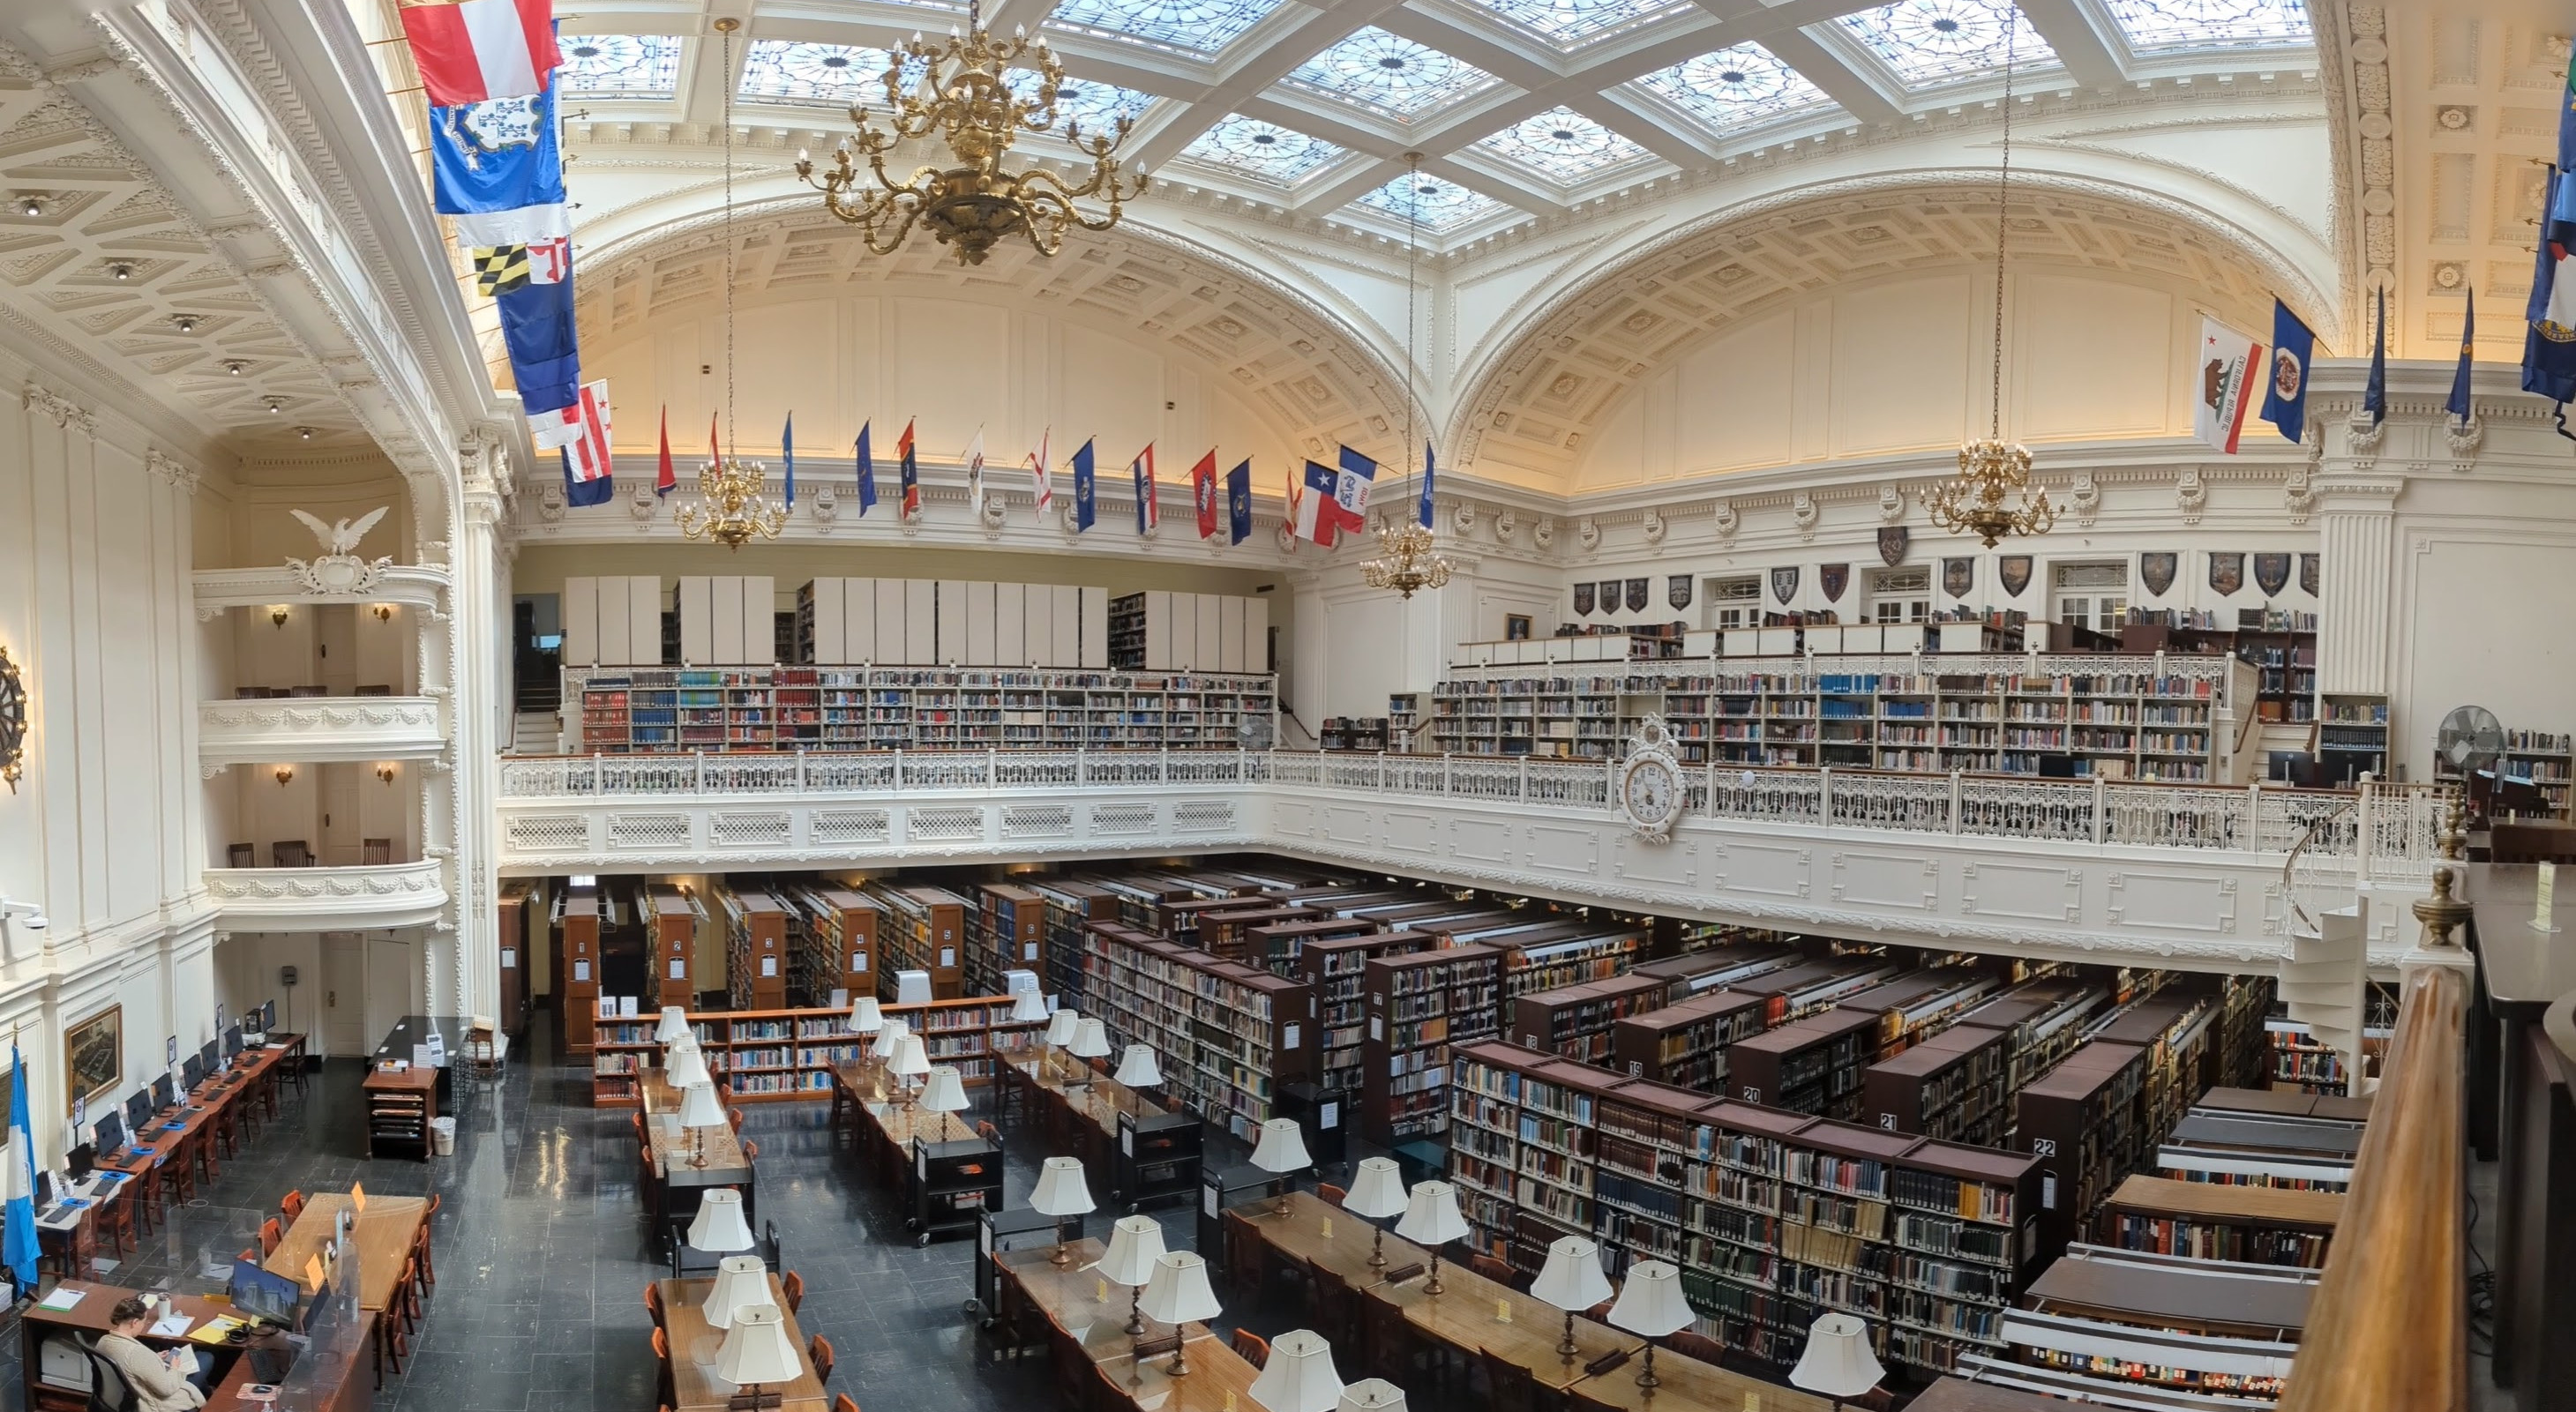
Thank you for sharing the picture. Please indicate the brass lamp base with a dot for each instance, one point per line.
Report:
(1136, 1313)
(751, 1399)
(1646, 1377)
(1567, 1349)
(1432, 1285)
(1377, 1247)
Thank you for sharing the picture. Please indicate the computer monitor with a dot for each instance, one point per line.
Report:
(80, 1160)
(256, 1291)
(211, 1057)
(44, 1189)
(267, 1016)
(232, 1040)
(165, 1094)
(110, 1132)
(138, 1111)
(192, 1070)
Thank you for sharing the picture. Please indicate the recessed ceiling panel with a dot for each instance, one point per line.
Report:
(1929, 42)
(620, 65)
(1390, 75)
(1563, 146)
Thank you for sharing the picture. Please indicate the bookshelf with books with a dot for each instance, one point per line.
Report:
(1071, 905)
(1812, 1065)
(1365, 734)
(780, 1053)
(1813, 987)
(1228, 1035)
(1922, 1003)
(2260, 1225)
(1696, 973)
(836, 944)
(1227, 931)
(924, 931)
(2129, 1328)
(1418, 1007)
(671, 931)
(1005, 931)
(2281, 647)
(2181, 1026)
(1577, 1021)
(2081, 1121)
(1280, 947)
(1335, 969)
(2041, 1020)
(1685, 1043)
(577, 976)
(2299, 1061)
(2352, 735)
(1953, 1086)
(755, 949)
(1558, 951)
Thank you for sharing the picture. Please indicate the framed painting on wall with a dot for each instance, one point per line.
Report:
(94, 1054)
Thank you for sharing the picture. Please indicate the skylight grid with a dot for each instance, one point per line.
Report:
(1196, 27)
(1570, 24)
(2152, 25)
(1563, 146)
(1929, 42)
(1439, 206)
(1095, 105)
(1389, 74)
(1262, 149)
(620, 65)
(1733, 86)
(793, 71)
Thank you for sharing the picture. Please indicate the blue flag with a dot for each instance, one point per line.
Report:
(1238, 502)
(584, 492)
(1082, 488)
(867, 472)
(2457, 404)
(497, 167)
(545, 355)
(2549, 341)
(2285, 403)
(18, 1249)
(787, 453)
(2374, 394)
(1429, 469)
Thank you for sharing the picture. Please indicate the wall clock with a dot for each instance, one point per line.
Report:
(1650, 782)
(13, 721)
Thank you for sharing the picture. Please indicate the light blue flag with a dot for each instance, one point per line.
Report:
(18, 1246)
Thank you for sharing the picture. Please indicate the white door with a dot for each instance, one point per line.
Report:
(343, 994)
(340, 822)
(393, 971)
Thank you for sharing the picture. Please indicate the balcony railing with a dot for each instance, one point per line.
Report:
(319, 729)
(2386, 832)
(324, 899)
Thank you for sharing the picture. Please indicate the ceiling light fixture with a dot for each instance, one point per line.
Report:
(1992, 497)
(305, 432)
(121, 271)
(733, 499)
(1408, 558)
(186, 323)
(235, 366)
(276, 405)
(31, 206)
(975, 203)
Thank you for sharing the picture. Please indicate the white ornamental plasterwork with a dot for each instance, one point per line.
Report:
(643, 503)
(1804, 513)
(2299, 495)
(259, 715)
(1287, 535)
(1543, 532)
(1462, 517)
(58, 409)
(170, 471)
(338, 569)
(1727, 519)
(994, 513)
(2191, 494)
(1587, 533)
(2362, 434)
(1506, 524)
(1653, 525)
(1891, 505)
(550, 503)
(827, 506)
(2373, 107)
(2464, 437)
(2084, 497)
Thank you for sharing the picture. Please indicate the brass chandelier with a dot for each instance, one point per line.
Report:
(1408, 555)
(1992, 496)
(964, 98)
(733, 494)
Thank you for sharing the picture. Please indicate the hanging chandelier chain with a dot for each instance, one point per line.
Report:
(730, 442)
(1412, 289)
(2003, 195)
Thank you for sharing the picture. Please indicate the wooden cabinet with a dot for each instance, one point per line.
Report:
(837, 945)
(577, 967)
(517, 913)
(925, 931)
(1007, 933)
(671, 935)
(755, 950)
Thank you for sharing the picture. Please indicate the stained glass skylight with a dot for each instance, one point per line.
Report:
(1570, 24)
(792, 71)
(1097, 106)
(1563, 146)
(1740, 84)
(1199, 27)
(1441, 205)
(1388, 74)
(2208, 24)
(1938, 41)
(620, 65)
(1262, 149)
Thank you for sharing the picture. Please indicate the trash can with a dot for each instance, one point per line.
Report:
(442, 1136)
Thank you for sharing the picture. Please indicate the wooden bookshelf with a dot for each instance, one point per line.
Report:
(1920, 1004)
(1812, 1065)
(2041, 1020)
(755, 950)
(1418, 1007)
(777, 1054)
(2080, 1120)
(1577, 1021)
(1685, 1043)
(1280, 947)
(925, 931)
(2261, 1225)
(1954, 1086)
(2123, 1326)
(1335, 969)
(1070, 906)
(1228, 1035)
(1565, 951)
(836, 946)
(671, 932)
(577, 975)
(1227, 931)
(1699, 972)
(1812, 987)
(1006, 931)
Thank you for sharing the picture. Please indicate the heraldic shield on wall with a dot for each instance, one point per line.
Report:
(1677, 591)
(1583, 600)
(2156, 571)
(1784, 584)
(1892, 540)
(2271, 573)
(1958, 576)
(2308, 573)
(2014, 571)
(1637, 594)
(2227, 572)
(1833, 579)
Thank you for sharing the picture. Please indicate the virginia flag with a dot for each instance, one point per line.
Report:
(2457, 404)
(1082, 488)
(1238, 502)
(1046, 476)
(867, 472)
(2285, 402)
(497, 168)
(18, 1245)
(481, 49)
(1203, 493)
(1148, 514)
(787, 453)
(2549, 344)
(2227, 361)
(911, 473)
(664, 481)
(1422, 514)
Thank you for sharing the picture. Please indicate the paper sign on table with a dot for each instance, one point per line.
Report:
(357, 1198)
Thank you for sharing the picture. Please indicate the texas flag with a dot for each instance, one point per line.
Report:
(479, 50)
(1335, 500)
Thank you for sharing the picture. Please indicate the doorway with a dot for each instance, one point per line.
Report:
(343, 995)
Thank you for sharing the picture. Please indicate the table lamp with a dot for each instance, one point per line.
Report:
(866, 1016)
(741, 1282)
(1838, 1362)
(1137, 1069)
(1651, 1305)
(1377, 1192)
(1372, 1395)
(943, 1093)
(1135, 1243)
(1090, 1041)
(1431, 1220)
(757, 1352)
(1177, 1295)
(1061, 1028)
(719, 1228)
(890, 1035)
(700, 1111)
(1572, 1281)
(1299, 1376)
(910, 1060)
(683, 1065)
(1061, 1192)
(1281, 1150)
(1028, 1007)
(674, 1026)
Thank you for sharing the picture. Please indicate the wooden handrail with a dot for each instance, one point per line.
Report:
(2388, 1330)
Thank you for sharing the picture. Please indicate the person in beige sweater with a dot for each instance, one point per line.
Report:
(163, 1382)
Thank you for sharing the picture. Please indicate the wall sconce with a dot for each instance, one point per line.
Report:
(285, 775)
(277, 616)
(384, 612)
(385, 772)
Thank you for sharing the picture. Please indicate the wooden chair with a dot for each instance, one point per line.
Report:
(290, 853)
(1499, 1271)
(820, 1350)
(793, 1285)
(750, 1151)
(1389, 1348)
(1254, 1348)
(271, 1231)
(1337, 1314)
(653, 1302)
(291, 1206)
(1073, 1367)
(1331, 1193)
(375, 852)
(662, 1358)
(1509, 1387)
(1694, 1345)
(241, 855)
(843, 1402)
(114, 1221)
(1246, 1253)
(734, 1116)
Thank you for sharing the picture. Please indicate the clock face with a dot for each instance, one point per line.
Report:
(1649, 792)
(13, 720)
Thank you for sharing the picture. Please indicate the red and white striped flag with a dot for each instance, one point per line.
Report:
(1046, 478)
(472, 51)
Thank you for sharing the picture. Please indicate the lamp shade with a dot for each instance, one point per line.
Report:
(718, 1227)
(1061, 1027)
(675, 1023)
(685, 1068)
(1091, 1040)
(866, 1016)
(889, 1038)
(912, 987)
(1377, 1189)
(1299, 1376)
(741, 1282)
(699, 1108)
(1137, 1069)
(1431, 1215)
(1028, 1006)
(1061, 1189)
(944, 1092)
(910, 1059)
(757, 1349)
(1651, 1302)
(1135, 1243)
(1178, 1293)
(1838, 1361)
(1282, 1147)
(1372, 1395)
(1572, 1278)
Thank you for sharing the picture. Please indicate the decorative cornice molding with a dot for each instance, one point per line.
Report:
(58, 409)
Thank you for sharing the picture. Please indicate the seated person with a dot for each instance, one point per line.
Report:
(174, 1381)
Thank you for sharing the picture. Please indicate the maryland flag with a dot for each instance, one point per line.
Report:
(507, 269)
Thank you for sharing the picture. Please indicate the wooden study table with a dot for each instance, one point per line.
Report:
(1218, 1378)
(1083, 1113)
(676, 1153)
(87, 1320)
(383, 1235)
(1093, 1314)
(186, 1132)
(694, 1384)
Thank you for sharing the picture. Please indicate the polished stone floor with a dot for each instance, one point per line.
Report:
(542, 1253)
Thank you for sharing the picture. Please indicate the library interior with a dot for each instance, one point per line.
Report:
(1848, 705)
